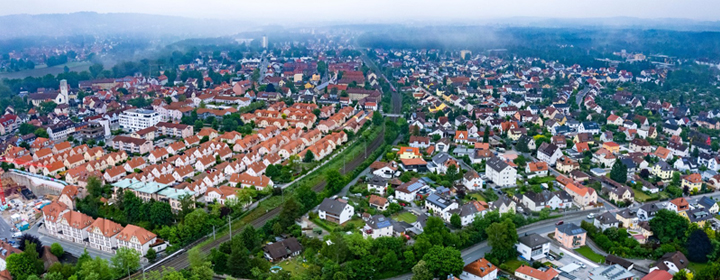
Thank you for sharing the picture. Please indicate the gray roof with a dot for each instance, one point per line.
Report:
(377, 181)
(706, 202)
(379, 221)
(496, 164)
(332, 206)
(533, 240)
(439, 200)
(607, 218)
(570, 229)
(613, 272)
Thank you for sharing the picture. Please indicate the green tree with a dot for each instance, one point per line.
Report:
(125, 260)
(698, 246)
(151, 255)
(41, 132)
(238, 263)
(443, 261)
(683, 274)
(455, 221)
(669, 226)
(57, 249)
(96, 269)
(160, 214)
(421, 272)
(309, 157)
(619, 172)
(198, 125)
(20, 266)
(502, 237)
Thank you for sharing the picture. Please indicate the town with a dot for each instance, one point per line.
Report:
(322, 159)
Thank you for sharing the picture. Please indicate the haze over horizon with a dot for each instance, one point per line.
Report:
(285, 11)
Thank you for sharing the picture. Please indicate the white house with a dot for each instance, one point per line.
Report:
(533, 247)
(378, 226)
(549, 153)
(335, 210)
(501, 173)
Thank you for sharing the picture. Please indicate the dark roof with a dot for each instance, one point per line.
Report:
(497, 164)
(570, 229)
(379, 221)
(533, 240)
(607, 218)
(283, 249)
(706, 202)
(378, 181)
(613, 259)
(678, 258)
(332, 206)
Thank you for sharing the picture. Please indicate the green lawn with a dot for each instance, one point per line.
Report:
(590, 254)
(405, 217)
(477, 196)
(641, 196)
(695, 267)
(294, 265)
(512, 265)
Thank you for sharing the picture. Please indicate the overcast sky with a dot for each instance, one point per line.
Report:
(378, 10)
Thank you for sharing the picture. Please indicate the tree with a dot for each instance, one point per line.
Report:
(377, 119)
(698, 246)
(455, 221)
(421, 272)
(309, 156)
(238, 263)
(291, 210)
(619, 172)
(669, 226)
(57, 249)
(443, 261)
(160, 214)
(96, 269)
(198, 125)
(41, 132)
(151, 255)
(502, 237)
(20, 265)
(126, 260)
(486, 134)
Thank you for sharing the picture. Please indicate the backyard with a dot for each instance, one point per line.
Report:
(405, 217)
(590, 254)
(294, 265)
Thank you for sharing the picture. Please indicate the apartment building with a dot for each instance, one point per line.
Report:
(102, 234)
(137, 238)
(137, 119)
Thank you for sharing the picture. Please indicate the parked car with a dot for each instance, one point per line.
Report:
(591, 216)
(559, 223)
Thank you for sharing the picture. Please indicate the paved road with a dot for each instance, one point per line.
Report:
(70, 247)
(6, 230)
(479, 250)
(581, 96)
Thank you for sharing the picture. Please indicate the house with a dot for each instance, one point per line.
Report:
(640, 145)
(663, 170)
(621, 193)
(582, 196)
(377, 184)
(529, 273)
(378, 226)
(549, 153)
(419, 142)
(500, 172)
(671, 262)
(709, 204)
(589, 127)
(414, 164)
(697, 216)
(378, 202)
(570, 235)
(566, 165)
(335, 210)
(480, 269)
(408, 191)
(533, 247)
(613, 259)
(612, 147)
(648, 211)
(102, 234)
(504, 205)
(472, 181)
(535, 169)
(627, 218)
(440, 205)
(283, 249)
(384, 169)
(409, 153)
(469, 211)
(692, 182)
(606, 220)
(545, 199)
(678, 205)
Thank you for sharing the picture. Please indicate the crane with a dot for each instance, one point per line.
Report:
(15, 161)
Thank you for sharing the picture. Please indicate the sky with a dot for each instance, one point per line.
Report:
(378, 10)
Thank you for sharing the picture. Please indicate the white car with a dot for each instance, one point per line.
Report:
(591, 216)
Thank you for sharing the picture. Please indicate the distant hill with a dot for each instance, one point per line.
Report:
(91, 23)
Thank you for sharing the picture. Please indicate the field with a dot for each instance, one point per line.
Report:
(42, 70)
(590, 254)
(477, 196)
(294, 265)
(511, 265)
(405, 217)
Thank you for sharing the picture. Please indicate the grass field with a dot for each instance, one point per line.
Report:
(590, 254)
(695, 267)
(477, 196)
(42, 70)
(641, 196)
(512, 265)
(294, 265)
(405, 217)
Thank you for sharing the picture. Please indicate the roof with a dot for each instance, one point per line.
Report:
(533, 240)
(377, 200)
(379, 221)
(332, 206)
(549, 274)
(282, 249)
(480, 267)
(497, 164)
(570, 229)
(107, 227)
(143, 236)
(607, 218)
(658, 275)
